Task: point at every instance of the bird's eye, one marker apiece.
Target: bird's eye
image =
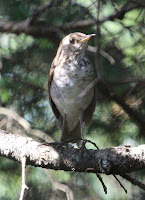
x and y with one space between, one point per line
72 40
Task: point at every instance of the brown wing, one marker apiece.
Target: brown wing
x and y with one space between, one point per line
52 104
88 113
54 64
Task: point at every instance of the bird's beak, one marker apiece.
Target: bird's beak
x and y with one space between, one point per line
87 38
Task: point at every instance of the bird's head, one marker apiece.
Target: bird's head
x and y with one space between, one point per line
75 42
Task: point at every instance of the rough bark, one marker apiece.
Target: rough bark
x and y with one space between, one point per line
115 160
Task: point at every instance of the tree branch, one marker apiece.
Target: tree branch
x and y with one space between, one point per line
115 160
59 186
33 30
44 30
35 12
133 114
24 186
117 15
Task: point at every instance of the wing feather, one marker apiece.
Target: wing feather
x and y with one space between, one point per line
88 112
52 104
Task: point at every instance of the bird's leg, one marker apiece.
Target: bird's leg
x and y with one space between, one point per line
63 127
82 125
82 131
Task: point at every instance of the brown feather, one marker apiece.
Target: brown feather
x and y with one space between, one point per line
74 135
88 112
51 74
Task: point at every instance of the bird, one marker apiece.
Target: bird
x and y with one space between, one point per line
70 74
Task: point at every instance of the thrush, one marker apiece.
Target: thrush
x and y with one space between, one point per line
70 74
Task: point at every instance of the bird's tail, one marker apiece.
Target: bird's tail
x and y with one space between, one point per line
73 135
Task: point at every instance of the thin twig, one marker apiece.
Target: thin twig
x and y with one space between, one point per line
92 84
25 124
120 183
85 11
103 53
3 122
133 181
24 186
98 40
59 186
85 91
35 12
102 182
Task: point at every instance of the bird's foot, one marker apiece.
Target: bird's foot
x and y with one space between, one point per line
83 147
53 143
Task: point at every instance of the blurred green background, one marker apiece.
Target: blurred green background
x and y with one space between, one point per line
25 60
